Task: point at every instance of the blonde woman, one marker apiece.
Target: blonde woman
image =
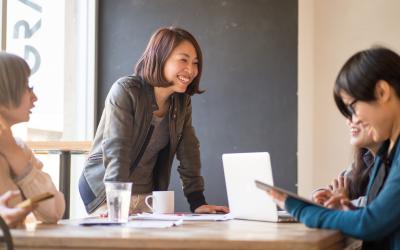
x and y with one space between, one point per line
19 169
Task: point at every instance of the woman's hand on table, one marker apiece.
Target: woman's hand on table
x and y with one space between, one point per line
211 209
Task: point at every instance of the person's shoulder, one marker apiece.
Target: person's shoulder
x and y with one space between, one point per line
22 145
129 82
125 86
28 151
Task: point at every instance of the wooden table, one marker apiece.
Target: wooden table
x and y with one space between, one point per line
65 149
227 235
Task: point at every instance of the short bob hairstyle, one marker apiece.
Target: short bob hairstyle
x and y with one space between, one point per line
150 66
14 74
360 74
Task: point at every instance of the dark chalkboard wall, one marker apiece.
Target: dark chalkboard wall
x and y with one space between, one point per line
250 76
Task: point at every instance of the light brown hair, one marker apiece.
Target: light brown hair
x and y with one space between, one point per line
14 74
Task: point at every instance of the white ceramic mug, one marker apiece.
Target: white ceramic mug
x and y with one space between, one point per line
162 202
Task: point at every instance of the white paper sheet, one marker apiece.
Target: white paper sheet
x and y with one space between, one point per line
131 224
184 217
153 223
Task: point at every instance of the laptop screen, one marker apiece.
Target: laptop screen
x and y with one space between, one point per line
246 201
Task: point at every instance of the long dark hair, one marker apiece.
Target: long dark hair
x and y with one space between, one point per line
360 74
360 171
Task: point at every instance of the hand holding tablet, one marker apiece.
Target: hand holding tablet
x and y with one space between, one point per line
267 187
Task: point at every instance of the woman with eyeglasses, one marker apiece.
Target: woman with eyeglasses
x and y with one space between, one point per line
368 90
20 170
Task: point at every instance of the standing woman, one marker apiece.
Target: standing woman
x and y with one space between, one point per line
146 121
19 169
368 90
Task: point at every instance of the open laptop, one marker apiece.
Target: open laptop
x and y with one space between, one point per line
246 201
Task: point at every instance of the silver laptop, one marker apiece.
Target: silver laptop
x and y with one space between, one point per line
246 201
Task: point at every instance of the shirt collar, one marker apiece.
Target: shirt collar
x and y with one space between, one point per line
368 158
387 157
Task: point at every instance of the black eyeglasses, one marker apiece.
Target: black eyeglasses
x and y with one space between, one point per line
350 107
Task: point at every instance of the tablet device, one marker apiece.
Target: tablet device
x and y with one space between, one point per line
35 199
267 187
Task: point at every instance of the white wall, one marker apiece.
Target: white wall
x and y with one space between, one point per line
329 33
306 96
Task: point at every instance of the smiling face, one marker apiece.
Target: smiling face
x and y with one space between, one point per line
375 117
181 67
20 113
359 136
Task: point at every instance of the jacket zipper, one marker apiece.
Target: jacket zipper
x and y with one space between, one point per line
172 126
144 146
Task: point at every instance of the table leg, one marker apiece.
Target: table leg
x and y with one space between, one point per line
65 176
6 237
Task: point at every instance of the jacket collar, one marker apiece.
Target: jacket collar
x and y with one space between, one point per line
149 91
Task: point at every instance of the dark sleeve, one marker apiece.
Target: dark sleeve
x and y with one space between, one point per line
188 154
117 137
373 222
196 199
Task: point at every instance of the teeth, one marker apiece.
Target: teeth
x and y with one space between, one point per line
183 79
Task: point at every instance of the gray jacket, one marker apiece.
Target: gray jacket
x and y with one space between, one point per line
122 137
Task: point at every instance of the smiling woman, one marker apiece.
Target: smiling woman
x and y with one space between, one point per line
147 120
181 67
372 77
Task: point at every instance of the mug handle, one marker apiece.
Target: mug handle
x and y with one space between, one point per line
147 201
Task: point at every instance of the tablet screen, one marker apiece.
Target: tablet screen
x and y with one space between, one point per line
266 187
